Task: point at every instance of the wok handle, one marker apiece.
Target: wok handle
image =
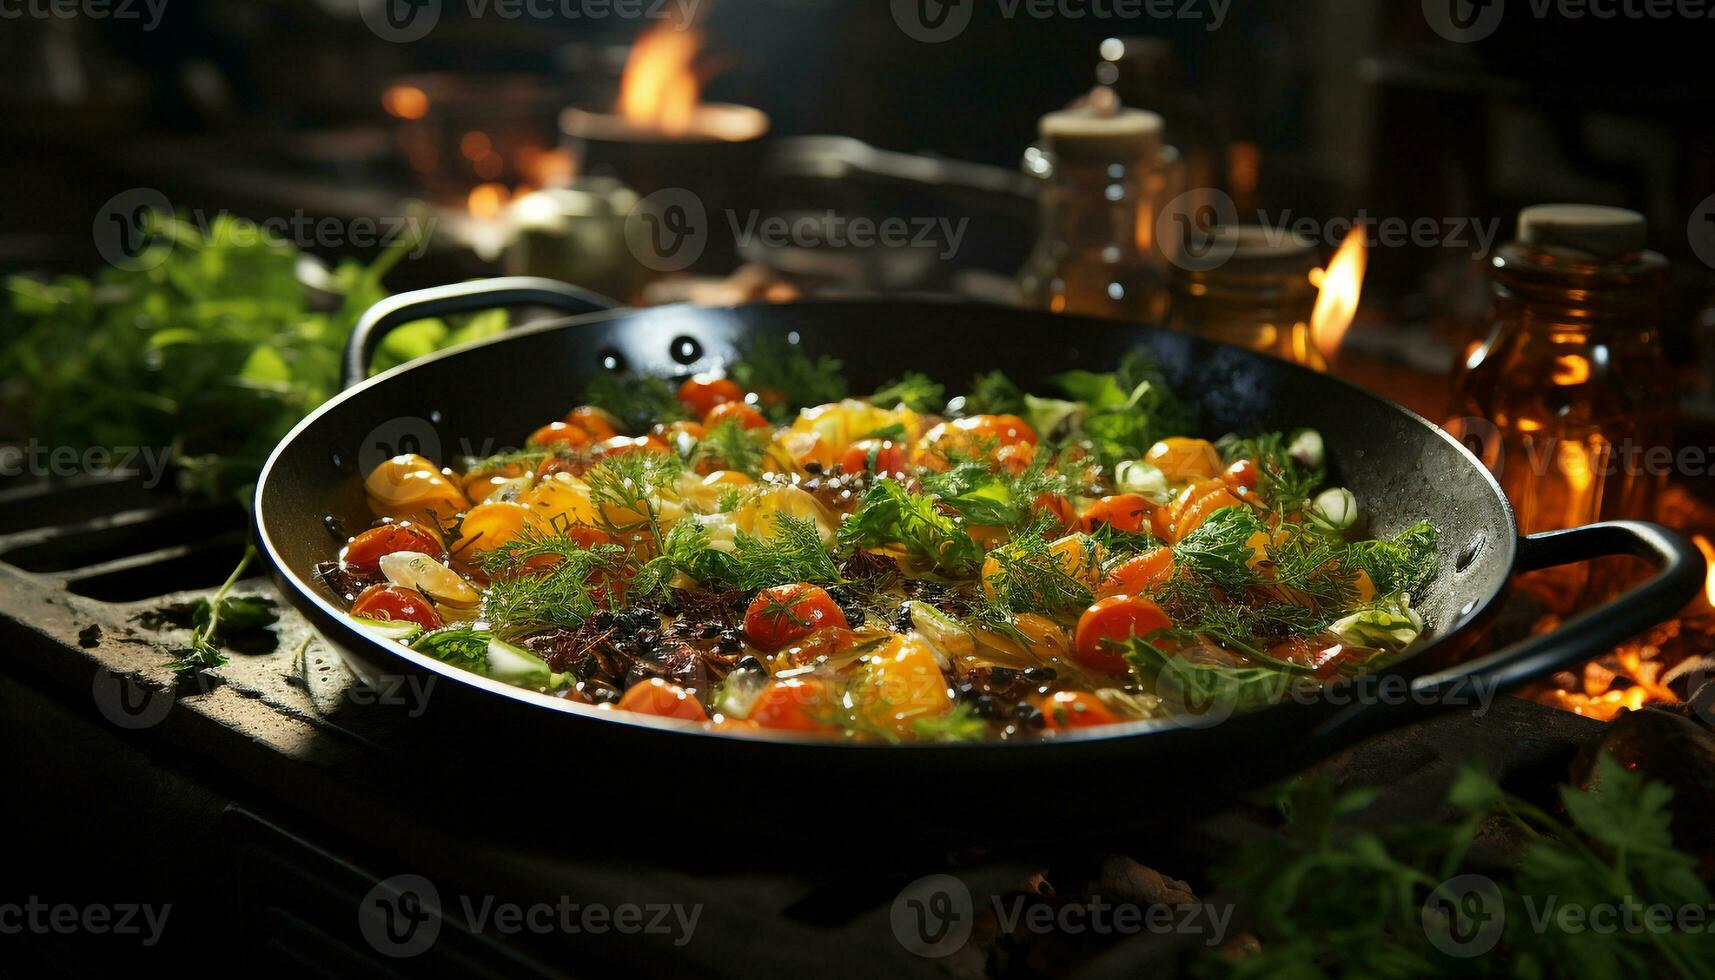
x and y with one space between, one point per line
464 297
1679 575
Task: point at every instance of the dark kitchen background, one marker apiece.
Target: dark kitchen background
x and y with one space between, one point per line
499 131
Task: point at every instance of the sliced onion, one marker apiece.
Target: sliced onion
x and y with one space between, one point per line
415 570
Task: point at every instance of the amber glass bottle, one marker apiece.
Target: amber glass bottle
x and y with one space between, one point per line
1570 400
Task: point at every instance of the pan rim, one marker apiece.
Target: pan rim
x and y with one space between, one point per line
307 597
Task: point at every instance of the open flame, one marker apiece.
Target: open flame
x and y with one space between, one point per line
1708 549
1342 285
660 88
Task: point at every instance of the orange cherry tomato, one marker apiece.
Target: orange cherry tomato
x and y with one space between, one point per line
559 434
702 392
662 699
363 555
619 445
874 456
1182 460
1197 503
1125 512
1138 575
1068 710
599 424
396 604
786 613
744 414
1242 473
1062 509
1016 458
993 432
1106 626
798 704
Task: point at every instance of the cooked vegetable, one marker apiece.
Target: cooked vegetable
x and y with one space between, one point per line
858 571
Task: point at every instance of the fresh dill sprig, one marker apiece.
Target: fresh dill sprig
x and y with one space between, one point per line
525 460
915 391
1220 549
994 394
627 486
793 553
1401 566
543 579
1283 482
1031 576
892 515
730 446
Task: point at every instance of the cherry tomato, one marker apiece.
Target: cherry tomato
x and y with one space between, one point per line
874 456
702 392
786 613
559 434
657 697
1106 626
396 604
1185 459
1126 512
1016 458
599 424
1138 575
490 525
1242 473
991 432
1068 710
1194 505
1321 654
363 555
618 445
799 704
1061 508
745 415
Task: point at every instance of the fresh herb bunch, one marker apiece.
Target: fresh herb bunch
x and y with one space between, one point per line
1127 411
542 578
793 553
787 378
731 446
638 401
1330 901
213 354
890 515
1286 482
994 394
915 391
624 490
215 619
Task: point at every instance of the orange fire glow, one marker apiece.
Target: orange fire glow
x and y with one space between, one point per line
660 89
1342 285
1708 549
486 201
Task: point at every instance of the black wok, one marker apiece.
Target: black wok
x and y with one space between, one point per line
1402 468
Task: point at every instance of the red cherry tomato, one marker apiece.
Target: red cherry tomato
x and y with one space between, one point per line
1241 474
800 704
745 415
363 555
1068 710
1126 512
657 697
396 604
786 613
1138 575
874 456
1103 630
702 392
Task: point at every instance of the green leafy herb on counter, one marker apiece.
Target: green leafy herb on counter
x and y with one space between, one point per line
217 618
212 354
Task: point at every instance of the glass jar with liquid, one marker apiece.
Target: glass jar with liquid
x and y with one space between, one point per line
1570 401
1260 297
1105 176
